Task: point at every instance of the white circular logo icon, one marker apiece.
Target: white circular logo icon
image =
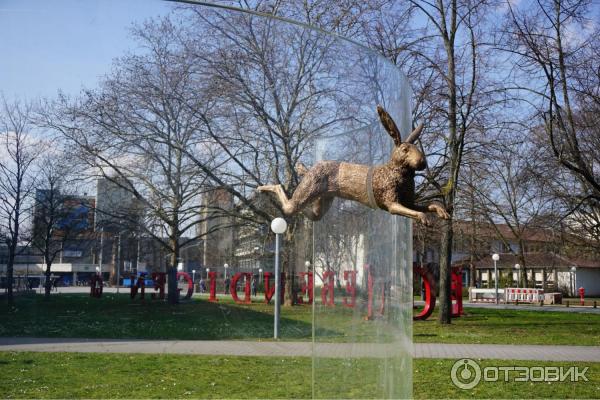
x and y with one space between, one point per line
465 374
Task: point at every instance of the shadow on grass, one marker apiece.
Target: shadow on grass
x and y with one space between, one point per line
118 317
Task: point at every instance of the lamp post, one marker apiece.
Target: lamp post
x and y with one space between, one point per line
573 269
518 268
496 257
119 262
260 275
99 267
193 277
256 253
225 266
278 226
207 271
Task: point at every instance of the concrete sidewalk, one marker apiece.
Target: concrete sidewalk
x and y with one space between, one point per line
526 307
303 349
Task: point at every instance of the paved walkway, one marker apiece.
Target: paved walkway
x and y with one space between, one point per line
572 309
338 350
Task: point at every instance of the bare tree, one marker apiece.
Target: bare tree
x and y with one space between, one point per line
54 221
469 209
509 192
336 246
18 152
270 101
447 61
555 44
131 132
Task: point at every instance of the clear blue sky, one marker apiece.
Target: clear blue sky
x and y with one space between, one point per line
50 44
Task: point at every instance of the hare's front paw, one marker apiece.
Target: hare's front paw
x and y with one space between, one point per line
424 219
439 210
442 213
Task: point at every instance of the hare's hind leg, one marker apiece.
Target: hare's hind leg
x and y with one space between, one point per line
312 186
288 206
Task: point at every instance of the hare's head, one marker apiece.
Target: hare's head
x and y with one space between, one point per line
405 153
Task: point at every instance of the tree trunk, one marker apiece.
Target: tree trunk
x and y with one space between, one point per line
47 284
524 280
9 278
115 261
172 295
455 149
293 239
445 316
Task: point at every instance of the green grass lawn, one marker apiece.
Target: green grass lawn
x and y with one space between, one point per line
482 325
116 316
112 316
76 375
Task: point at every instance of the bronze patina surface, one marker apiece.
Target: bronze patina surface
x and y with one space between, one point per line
390 186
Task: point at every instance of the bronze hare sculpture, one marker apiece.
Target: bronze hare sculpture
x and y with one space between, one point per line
390 186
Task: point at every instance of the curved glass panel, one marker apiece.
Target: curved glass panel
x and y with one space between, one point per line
363 257
161 120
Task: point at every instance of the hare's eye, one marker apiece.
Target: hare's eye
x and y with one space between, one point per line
404 149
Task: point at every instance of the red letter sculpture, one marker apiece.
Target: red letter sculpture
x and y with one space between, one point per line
140 284
233 288
190 282
327 290
96 285
306 287
159 278
456 292
212 277
270 291
429 296
370 290
350 288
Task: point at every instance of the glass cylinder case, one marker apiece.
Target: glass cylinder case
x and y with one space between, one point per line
172 114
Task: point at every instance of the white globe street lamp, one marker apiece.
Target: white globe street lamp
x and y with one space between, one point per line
225 266
193 276
278 226
207 271
518 268
496 257
574 284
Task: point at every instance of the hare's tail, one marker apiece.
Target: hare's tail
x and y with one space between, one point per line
301 169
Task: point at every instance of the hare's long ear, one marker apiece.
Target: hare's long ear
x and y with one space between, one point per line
389 125
414 135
